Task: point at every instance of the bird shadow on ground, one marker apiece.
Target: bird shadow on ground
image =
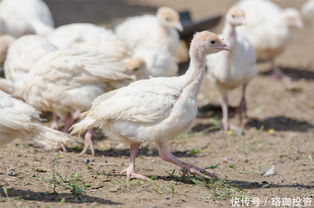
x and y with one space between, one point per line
228 182
1 73
144 151
29 195
211 118
294 73
212 110
280 123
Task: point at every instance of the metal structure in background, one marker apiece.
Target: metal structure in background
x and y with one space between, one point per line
100 11
190 26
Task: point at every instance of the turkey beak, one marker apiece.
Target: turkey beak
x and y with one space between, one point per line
299 24
242 21
178 26
223 46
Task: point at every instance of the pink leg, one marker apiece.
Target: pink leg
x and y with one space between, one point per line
130 171
278 73
88 142
54 124
224 107
68 123
169 157
242 108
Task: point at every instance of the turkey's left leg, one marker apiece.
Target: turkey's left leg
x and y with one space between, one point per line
54 123
278 73
130 171
242 108
68 123
166 155
88 142
224 108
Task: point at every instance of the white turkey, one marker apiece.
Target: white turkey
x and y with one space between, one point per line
269 29
230 70
158 30
67 81
155 109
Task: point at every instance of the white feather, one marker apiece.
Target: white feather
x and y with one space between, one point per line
146 31
64 81
89 37
267 27
25 17
308 10
158 62
20 120
22 54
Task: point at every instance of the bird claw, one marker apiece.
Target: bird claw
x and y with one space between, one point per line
131 174
280 75
200 171
88 143
86 146
54 126
61 147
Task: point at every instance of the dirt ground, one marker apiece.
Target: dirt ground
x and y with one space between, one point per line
279 132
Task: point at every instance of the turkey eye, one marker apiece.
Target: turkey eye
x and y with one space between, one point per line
233 16
212 42
167 19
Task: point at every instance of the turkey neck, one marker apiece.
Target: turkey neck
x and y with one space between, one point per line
230 34
195 73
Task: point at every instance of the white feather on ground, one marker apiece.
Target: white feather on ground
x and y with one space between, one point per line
271 171
19 18
21 121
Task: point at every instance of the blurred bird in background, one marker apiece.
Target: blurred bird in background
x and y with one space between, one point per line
269 29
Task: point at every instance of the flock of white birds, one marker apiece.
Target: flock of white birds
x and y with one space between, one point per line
125 81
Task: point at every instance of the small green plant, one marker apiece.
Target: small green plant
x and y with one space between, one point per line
215 124
94 172
211 167
5 195
221 189
164 190
73 183
231 165
195 151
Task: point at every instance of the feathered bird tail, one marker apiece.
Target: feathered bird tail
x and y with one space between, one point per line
82 126
50 138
